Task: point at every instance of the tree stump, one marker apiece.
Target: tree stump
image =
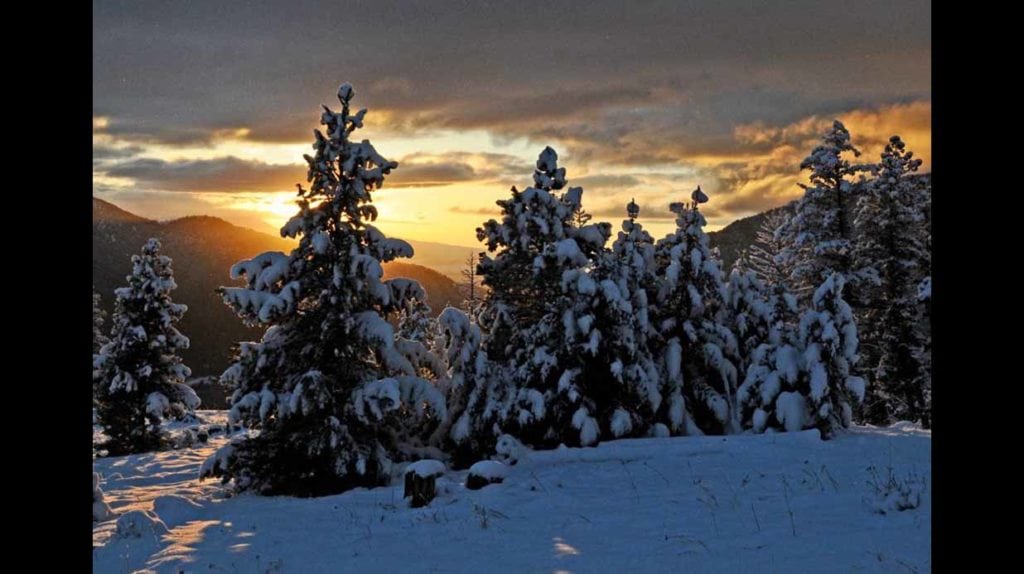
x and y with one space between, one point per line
421 481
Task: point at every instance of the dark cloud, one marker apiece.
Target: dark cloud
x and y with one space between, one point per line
604 181
737 93
429 170
430 175
587 71
227 174
102 152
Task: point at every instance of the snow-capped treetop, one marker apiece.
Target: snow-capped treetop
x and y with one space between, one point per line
896 161
549 176
632 209
827 165
820 234
699 196
346 92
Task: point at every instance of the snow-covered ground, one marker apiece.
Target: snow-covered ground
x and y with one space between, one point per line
768 503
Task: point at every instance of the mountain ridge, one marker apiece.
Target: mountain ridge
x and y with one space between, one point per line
203 248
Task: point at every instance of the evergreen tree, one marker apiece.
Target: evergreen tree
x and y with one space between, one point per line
138 374
891 250
749 314
819 237
828 389
628 282
531 220
415 321
98 315
551 342
699 378
334 394
804 379
473 400
774 368
764 317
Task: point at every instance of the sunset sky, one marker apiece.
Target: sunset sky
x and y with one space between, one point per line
207 107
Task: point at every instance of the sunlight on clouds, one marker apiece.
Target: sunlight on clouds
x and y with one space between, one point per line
273 209
447 205
766 173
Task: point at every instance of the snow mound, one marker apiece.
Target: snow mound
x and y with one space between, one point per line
140 524
426 468
486 472
489 469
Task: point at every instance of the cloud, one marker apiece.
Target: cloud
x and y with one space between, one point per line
489 211
103 152
701 66
430 174
675 94
436 169
605 181
763 172
228 174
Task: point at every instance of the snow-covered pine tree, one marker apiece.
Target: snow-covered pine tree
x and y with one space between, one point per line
764 317
415 321
769 361
819 237
138 375
828 389
747 310
891 249
541 289
98 315
632 395
335 396
698 376
472 399
530 220
417 328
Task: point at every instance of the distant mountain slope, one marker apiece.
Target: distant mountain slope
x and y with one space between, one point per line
732 239
449 260
203 249
441 290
